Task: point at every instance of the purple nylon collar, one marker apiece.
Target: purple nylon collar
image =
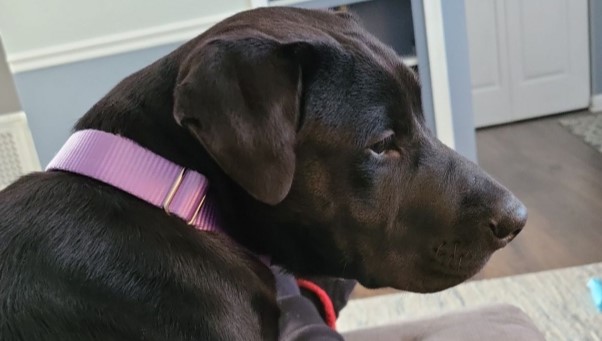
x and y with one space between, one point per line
122 163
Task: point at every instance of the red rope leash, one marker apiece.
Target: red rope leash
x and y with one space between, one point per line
330 316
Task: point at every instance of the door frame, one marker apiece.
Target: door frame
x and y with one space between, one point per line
445 72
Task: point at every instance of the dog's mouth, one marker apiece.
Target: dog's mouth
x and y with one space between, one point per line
457 257
450 263
442 265
439 274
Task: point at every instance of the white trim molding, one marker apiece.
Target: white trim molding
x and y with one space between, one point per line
595 104
259 3
177 32
134 40
437 56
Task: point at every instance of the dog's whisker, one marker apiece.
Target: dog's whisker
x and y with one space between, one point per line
345 264
460 262
439 249
455 248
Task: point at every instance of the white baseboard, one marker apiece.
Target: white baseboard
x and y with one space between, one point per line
595 105
112 44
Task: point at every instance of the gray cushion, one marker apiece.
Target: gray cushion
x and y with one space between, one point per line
490 322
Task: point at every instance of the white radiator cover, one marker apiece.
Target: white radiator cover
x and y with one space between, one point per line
17 151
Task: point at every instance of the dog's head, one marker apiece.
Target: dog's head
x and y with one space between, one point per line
321 125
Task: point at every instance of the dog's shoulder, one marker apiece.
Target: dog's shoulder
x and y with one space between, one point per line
82 258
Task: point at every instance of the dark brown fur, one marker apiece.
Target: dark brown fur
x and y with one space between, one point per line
285 111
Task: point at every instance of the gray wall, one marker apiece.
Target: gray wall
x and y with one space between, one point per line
54 98
8 96
595 17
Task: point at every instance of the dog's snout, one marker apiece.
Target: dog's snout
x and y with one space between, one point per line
510 221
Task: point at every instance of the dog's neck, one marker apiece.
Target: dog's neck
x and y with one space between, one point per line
143 118
140 109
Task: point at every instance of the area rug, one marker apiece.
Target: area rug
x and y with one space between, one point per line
588 127
557 301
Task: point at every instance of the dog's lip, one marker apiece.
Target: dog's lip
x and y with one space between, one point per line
436 280
436 274
465 262
460 272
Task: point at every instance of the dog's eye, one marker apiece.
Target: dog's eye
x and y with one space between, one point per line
383 146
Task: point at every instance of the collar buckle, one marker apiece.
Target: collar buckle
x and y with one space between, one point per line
172 193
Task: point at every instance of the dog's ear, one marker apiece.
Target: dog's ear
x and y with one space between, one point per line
241 99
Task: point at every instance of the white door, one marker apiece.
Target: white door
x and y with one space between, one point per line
528 58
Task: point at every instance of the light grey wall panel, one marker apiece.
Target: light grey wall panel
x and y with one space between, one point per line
456 44
54 98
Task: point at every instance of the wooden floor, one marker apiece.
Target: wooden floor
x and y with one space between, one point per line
559 178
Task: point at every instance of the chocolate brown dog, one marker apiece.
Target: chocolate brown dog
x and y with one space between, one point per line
311 133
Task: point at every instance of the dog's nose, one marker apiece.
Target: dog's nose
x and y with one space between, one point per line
510 222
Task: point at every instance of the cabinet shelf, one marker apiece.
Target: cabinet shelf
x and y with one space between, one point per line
410 60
